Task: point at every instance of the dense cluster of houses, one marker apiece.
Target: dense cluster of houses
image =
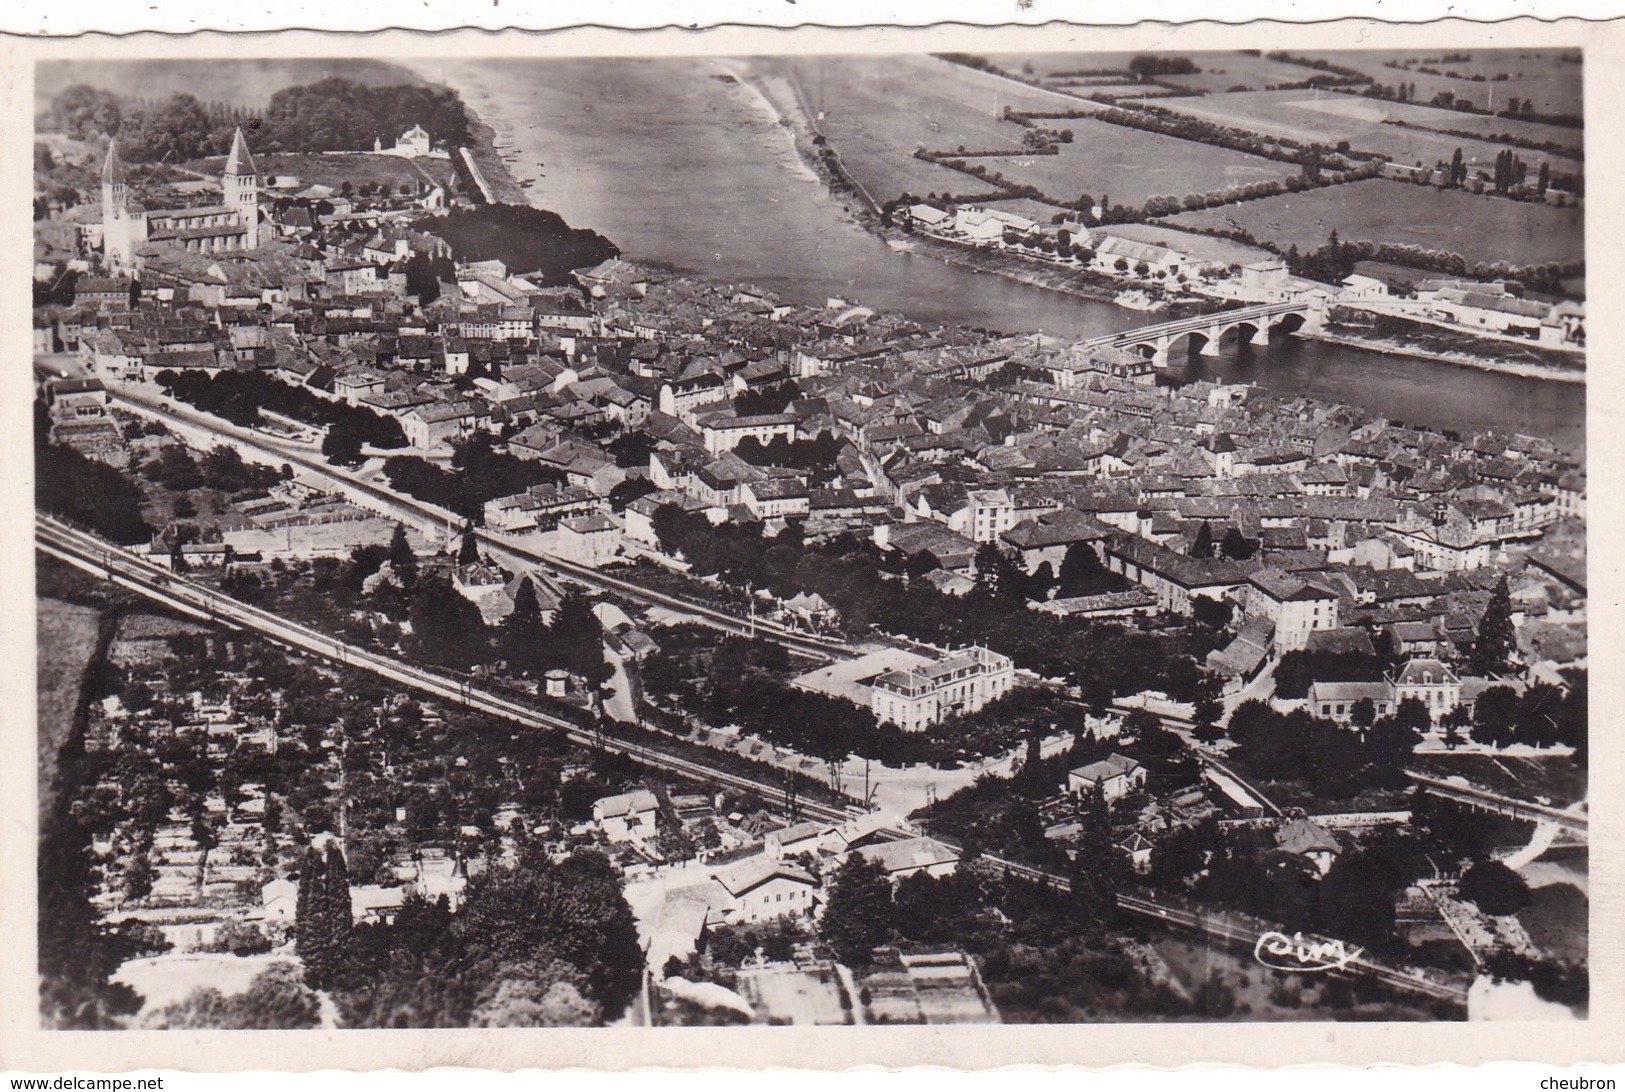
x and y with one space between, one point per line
933 441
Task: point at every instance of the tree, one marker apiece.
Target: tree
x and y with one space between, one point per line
574 911
335 904
1363 714
1081 572
82 111
1100 869
536 995
1540 710
468 551
1356 902
1494 888
1412 715
576 639
342 444
1495 716
1202 544
997 573
1236 546
1497 637
859 914
447 630
275 1000
1391 741
314 940
1208 709
240 938
523 635
403 561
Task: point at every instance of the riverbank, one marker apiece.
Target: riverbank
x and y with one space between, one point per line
1399 336
504 187
1462 360
791 111
1082 283
783 101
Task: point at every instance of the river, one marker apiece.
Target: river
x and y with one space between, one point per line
683 167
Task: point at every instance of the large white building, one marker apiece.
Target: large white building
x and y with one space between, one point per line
1296 605
917 697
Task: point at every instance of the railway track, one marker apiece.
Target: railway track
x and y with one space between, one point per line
159 584
1510 806
87 552
1229 930
420 512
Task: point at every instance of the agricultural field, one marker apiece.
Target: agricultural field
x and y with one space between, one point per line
878 110
335 170
1431 117
1554 85
888 176
1130 165
1329 117
1036 211
1221 69
1224 71
1478 228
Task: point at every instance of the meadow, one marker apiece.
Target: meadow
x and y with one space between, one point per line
1330 117
1540 76
1129 165
1431 117
1205 248
1221 69
1478 228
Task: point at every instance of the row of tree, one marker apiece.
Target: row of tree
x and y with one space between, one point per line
240 396
334 114
323 914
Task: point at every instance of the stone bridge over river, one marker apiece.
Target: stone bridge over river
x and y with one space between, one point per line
1253 323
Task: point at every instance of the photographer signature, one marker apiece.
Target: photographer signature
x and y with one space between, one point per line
1294 954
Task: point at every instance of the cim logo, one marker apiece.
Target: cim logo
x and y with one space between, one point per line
1295 955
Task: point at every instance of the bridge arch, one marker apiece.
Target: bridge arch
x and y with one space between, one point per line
1204 333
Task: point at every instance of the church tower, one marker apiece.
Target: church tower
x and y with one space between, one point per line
241 186
117 245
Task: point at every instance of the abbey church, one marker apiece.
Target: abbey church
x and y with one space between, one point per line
232 225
